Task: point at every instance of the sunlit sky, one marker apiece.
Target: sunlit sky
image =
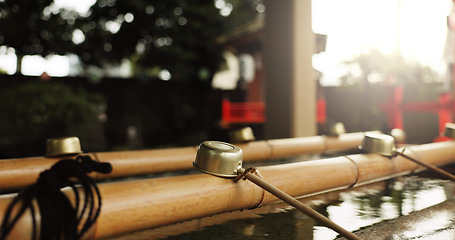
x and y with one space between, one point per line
415 28
79 5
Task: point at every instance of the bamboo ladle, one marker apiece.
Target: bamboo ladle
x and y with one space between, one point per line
385 145
225 160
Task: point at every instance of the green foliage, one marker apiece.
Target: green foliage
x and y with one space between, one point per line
39 110
176 35
243 12
31 28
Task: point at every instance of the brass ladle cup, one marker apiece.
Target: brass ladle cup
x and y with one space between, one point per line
449 130
63 146
385 145
225 160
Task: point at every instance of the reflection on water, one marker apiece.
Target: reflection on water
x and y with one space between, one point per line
399 197
353 210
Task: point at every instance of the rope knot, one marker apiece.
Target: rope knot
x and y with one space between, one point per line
60 218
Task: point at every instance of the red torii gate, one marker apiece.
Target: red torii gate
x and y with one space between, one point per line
395 107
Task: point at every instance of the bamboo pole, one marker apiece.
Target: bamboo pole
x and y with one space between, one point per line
16 173
136 205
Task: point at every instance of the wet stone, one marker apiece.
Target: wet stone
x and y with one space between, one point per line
435 222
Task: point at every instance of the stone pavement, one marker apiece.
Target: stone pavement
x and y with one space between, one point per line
434 223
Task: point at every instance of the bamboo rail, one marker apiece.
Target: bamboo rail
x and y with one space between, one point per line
20 172
136 205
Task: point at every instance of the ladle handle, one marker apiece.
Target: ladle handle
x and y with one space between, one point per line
430 167
300 206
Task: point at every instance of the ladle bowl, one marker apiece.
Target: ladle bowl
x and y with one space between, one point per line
63 146
337 129
219 158
398 134
378 143
449 130
242 135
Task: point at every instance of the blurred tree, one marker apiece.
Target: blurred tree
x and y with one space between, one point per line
35 28
377 67
173 35
176 36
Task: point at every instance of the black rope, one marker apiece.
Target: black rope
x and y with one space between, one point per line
59 219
